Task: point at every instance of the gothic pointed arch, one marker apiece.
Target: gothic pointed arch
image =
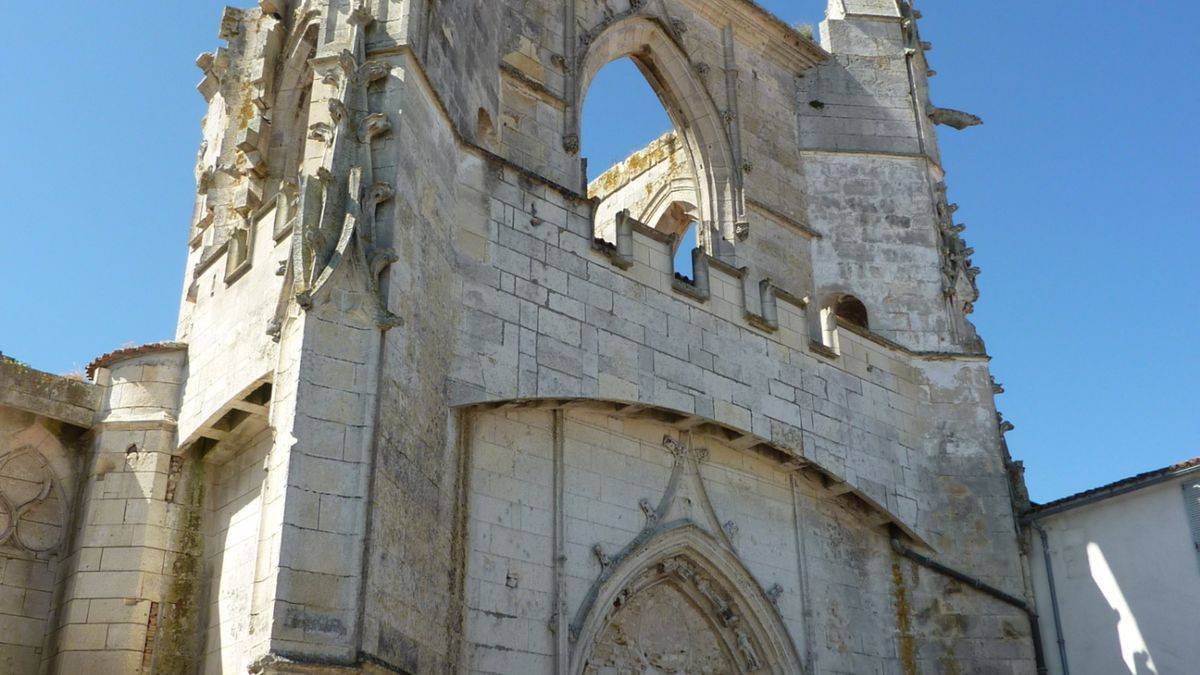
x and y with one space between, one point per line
293 99
671 205
681 602
692 110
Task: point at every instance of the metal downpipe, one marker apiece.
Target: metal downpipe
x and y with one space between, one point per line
1039 655
1058 631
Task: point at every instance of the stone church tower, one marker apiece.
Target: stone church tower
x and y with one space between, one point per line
436 405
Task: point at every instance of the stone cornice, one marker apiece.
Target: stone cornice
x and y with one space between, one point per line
895 346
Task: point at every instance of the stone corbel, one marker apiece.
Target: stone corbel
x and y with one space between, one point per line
361 15
321 131
246 196
253 160
570 143
1004 425
372 71
338 112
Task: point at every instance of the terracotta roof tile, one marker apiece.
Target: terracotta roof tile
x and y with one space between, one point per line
108 359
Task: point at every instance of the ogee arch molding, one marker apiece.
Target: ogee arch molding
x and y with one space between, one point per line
706 580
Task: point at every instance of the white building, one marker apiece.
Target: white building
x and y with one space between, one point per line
1116 573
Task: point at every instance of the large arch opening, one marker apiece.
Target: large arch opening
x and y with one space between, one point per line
636 83
636 162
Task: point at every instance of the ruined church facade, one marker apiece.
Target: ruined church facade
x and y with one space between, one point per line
436 404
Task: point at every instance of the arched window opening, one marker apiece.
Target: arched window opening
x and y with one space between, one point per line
621 115
684 267
851 310
637 161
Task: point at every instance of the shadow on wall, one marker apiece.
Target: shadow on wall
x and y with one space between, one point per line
231 557
1134 651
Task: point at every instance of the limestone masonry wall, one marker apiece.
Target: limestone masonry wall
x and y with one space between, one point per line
435 409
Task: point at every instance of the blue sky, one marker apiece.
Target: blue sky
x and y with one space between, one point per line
1081 194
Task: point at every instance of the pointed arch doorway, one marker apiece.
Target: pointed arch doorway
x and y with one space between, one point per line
681 603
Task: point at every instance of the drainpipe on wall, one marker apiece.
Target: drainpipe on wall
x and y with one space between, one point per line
1039 655
1058 631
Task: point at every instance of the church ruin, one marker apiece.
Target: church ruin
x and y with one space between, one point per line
438 405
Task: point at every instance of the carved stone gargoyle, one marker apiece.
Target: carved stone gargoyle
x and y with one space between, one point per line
956 119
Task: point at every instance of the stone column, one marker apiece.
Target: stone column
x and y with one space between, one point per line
122 564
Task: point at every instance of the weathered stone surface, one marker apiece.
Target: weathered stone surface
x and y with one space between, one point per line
438 411
73 401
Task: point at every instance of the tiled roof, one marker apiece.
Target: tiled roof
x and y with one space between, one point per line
1122 486
128 352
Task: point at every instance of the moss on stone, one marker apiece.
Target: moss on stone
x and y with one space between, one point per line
908 644
175 651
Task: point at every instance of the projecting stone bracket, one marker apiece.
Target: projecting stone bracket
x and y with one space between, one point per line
955 119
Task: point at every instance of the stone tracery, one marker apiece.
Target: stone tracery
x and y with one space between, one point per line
32 506
677 598
637 639
682 613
